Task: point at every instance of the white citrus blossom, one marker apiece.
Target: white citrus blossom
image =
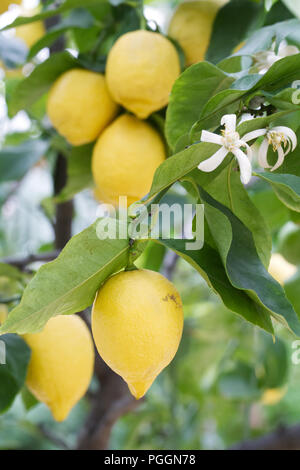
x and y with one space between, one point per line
283 140
265 59
230 142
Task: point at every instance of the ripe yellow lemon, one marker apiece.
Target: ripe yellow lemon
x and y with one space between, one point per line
141 69
191 26
80 106
137 323
61 364
125 158
280 269
31 33
3 313
4 4
273 396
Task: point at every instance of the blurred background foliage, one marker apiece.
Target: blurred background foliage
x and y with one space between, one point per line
216 392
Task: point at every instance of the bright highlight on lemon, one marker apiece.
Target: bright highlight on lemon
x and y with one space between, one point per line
191 26
141 69
80 106
137 323
61 364
125 158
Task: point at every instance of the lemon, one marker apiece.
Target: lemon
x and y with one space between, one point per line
32 32
61 364
141 69
280 269
3 313
191 26
125 158
4 4
80 106
273 396
137 323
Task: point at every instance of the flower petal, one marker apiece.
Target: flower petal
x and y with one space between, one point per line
263 154
211 138
254 135
229 121
214 161
288 133
280 159
244 164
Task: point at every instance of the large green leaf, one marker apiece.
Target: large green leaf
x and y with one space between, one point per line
190 93
13 372
286 187
242 263
228 189
16 161
232 25
68 284
29 90
208 263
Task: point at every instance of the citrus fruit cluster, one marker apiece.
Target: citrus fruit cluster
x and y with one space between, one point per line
84 105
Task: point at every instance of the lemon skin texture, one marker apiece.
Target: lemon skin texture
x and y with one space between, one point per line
80 106
141 69
4 4
61 364
137 323
125 158
191 26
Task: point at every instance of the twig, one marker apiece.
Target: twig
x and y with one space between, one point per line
23 262
169 265
59 442
282 439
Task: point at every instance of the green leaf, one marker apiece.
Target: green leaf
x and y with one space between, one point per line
29 401
208 263
239 383
180 164
243 266
282 73
227 189
51 10
29 90
16 161
274 361
79 172
232 25
79 19
190 93
286 187
293 6
68 285
264 37
292 288
13 373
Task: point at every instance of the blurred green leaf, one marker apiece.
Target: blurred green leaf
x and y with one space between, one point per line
16 161
13 372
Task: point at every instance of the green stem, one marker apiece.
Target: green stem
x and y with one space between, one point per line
229 185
